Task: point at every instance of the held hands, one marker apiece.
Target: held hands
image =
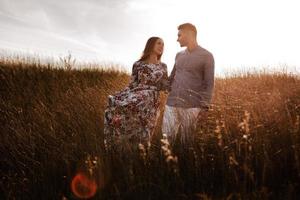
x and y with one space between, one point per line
166 85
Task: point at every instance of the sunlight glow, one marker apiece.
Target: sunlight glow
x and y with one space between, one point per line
240 34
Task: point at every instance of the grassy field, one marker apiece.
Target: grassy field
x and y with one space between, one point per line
52 146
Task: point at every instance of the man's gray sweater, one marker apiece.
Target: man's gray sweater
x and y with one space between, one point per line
192 79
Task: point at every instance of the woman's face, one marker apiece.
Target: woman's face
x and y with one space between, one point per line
158 47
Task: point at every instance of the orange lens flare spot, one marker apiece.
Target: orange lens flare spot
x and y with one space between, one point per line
83 186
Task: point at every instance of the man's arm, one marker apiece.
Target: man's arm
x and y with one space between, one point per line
208 76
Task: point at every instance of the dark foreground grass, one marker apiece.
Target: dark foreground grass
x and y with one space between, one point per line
247 147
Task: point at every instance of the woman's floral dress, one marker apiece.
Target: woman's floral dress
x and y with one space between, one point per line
134 110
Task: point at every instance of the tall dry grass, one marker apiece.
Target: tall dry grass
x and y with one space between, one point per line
247 147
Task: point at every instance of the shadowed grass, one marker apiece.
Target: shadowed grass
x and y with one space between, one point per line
52 127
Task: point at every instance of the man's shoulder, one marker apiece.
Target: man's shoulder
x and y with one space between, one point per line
205 52
180 53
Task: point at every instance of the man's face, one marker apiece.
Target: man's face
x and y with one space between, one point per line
182 37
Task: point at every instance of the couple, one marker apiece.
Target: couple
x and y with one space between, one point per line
134 111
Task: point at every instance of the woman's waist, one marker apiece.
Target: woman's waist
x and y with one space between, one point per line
143 87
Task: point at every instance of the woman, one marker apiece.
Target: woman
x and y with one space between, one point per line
134 111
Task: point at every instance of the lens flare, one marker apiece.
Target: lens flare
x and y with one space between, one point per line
83 186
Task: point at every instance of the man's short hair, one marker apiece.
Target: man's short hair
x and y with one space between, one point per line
188 26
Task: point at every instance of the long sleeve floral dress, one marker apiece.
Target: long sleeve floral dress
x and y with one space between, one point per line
134 110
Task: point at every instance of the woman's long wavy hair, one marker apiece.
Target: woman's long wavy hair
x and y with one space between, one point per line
149 48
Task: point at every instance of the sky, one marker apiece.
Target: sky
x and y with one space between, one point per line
241 34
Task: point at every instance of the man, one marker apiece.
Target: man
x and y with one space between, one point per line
192 82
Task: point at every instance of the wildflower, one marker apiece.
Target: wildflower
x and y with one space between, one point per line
142 151
244 125
91 164
167 151
219 134
233 161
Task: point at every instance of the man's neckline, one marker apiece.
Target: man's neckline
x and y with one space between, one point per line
197 47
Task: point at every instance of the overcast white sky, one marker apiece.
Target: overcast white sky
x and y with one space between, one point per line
239 33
